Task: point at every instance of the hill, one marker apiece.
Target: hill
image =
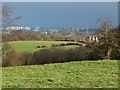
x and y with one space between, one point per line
84 74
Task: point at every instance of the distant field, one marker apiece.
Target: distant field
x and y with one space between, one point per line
82 74
31 46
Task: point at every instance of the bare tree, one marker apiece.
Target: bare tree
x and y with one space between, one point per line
7 16
107 40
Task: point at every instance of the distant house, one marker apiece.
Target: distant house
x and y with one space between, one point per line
92 39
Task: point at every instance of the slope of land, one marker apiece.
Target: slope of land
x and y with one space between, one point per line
81 74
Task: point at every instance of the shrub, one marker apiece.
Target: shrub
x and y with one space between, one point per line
43 46
62 44
72 44
7 54
83 53
115 54
45 56
11 58
55 45
41 57
78 54
38 47
20 59
65 44
95 54
57 55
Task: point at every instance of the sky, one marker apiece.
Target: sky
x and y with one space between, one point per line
59 14
60 0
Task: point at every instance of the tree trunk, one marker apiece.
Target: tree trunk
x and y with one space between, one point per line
108 56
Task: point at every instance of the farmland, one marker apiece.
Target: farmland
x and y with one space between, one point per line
78 74
31 46
84 74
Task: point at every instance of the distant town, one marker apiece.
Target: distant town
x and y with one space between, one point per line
65 29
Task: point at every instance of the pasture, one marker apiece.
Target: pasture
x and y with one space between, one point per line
31 46
81 74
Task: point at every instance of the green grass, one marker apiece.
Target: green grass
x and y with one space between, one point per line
30 46
81 74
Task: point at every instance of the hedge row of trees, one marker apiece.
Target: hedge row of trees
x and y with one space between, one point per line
44 56
55 55
21 35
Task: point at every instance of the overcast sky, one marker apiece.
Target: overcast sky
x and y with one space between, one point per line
59 14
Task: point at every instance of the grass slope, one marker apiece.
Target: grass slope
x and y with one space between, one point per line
30 46
84 74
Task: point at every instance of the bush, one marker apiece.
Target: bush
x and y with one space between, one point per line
62 44
45 56
56 55
11 58
41 56
20 59
7 54
65 44
100 51
55 45
78 54
83 53
115 54
72 44
95 54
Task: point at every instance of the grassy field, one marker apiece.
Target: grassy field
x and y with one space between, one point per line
84 74
31 46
